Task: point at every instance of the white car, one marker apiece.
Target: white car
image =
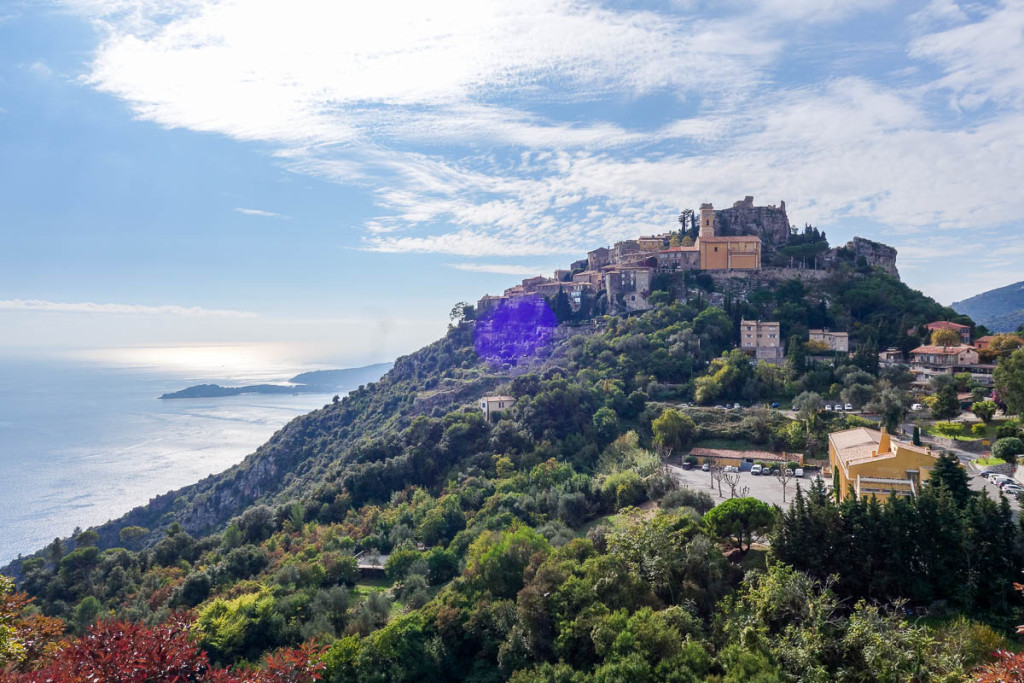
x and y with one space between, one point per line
798 472
755 470
828 407
730 468
999 479
849 406
917 407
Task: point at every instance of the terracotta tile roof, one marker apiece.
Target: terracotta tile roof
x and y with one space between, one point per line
671 249
740 455
943 350
946 325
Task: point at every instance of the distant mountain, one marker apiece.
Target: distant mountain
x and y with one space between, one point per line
315 382
1000 310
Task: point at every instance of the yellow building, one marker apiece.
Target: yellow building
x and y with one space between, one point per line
740 252
873 463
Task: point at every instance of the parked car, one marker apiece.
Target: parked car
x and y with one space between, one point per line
776 405
687 465
756 470
1013 490
705 467
736 406
917 407
730 468
849 406
986 473
773 471
828 407
997 478
798 472
720 408
1009 482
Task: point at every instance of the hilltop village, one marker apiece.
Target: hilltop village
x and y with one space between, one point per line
744 241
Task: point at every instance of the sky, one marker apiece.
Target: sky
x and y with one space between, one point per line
330 177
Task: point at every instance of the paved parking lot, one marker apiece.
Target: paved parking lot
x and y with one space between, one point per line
766 488
982 484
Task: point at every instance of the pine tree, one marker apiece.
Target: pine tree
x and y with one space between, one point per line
947 405
949 475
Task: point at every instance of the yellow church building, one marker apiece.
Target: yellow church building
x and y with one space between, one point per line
872 463
741 252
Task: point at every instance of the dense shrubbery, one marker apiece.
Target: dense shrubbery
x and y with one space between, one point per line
526 548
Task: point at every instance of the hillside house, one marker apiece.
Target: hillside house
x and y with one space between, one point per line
870 462
928 361
835 341
963 330
492 405
763 339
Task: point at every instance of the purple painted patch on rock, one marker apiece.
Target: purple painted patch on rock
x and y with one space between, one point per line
517 328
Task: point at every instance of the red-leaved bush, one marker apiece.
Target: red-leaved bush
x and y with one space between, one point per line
1008 667
124 652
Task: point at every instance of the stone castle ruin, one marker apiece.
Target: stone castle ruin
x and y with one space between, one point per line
753 243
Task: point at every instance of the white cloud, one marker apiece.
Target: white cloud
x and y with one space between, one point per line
481 128
316 72
499 268
983 60
40 70
260 212
36 305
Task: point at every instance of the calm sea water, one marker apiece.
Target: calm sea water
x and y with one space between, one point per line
83 442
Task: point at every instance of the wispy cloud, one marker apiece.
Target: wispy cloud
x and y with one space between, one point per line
483 128
260 212
36 305
499 268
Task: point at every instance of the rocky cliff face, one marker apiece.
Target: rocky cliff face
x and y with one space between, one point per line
770 223
875 254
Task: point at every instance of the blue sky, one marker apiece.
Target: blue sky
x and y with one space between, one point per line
330 177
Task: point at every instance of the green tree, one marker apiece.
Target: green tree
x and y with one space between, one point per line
807 405
946 338
947 405
1008 449
606 425
11 649
891 403
130 535
742 520
673 430
496 560
984 410
1009 380
86 539
86 612
857 395
796 357
948 474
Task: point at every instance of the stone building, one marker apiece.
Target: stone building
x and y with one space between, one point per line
628 288
763 339
835 341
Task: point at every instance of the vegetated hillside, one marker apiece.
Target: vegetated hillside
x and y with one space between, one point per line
515 550
349 452
1000 310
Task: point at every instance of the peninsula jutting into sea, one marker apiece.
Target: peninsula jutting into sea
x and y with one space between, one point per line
315 382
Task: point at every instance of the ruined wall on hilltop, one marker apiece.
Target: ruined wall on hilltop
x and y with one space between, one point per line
770 223
875 254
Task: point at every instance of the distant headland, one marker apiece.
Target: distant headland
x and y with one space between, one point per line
315 382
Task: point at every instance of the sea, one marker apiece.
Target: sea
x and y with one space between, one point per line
85 439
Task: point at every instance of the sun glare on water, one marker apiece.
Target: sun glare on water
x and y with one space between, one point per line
223 360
